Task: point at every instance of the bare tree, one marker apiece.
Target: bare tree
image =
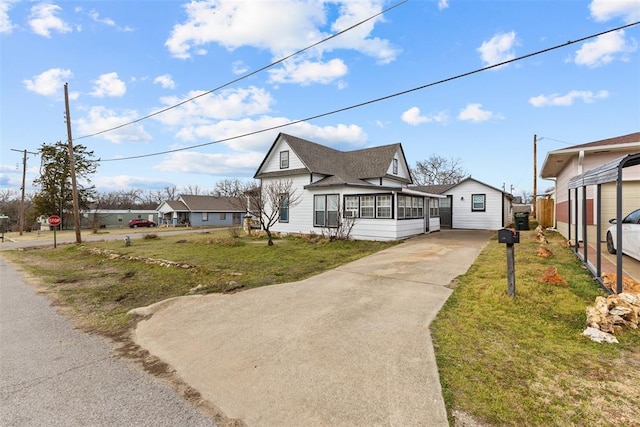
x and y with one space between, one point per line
342 230
232 187
270 202
193 190
438 170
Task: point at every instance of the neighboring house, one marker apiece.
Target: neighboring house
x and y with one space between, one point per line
368 185
564 164
201 211
471 204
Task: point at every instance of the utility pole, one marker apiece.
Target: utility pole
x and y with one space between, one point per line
24 175
535 174
72 168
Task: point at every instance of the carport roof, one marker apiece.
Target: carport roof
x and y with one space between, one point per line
607 172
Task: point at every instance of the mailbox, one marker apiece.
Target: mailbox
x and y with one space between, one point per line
508 236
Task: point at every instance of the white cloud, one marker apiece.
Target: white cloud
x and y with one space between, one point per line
100 118
239 67
475 113
106 21
586 96
233 164
226 104
6 26
165 81
498 49
233 24
443 4
604 49
412 116
604 10
50 82
109 85
249 151
306 72
95 16
43 20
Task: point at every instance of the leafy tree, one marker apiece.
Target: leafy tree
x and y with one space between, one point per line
270 201
437 170
55 195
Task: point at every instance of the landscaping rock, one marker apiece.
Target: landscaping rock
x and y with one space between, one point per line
552 277
599 336
613 313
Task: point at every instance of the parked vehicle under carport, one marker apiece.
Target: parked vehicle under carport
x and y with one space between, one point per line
630 235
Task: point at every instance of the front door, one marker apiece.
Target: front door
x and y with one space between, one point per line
446 212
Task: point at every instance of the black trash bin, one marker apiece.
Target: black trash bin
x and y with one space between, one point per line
522 220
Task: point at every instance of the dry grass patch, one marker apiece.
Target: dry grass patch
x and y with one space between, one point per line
100 282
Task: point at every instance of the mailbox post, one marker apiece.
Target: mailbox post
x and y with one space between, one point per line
510 237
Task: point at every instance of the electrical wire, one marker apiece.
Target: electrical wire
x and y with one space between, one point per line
383 98
164 110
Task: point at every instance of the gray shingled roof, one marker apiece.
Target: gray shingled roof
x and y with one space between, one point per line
342 167
434 189
196 203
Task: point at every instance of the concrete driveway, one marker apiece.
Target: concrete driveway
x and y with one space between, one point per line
350 346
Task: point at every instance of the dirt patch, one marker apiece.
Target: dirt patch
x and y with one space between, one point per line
156 367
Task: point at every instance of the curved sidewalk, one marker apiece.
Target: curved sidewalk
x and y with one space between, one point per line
350 346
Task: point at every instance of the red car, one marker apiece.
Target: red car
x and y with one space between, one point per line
140 222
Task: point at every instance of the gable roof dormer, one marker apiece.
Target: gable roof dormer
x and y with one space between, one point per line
338 167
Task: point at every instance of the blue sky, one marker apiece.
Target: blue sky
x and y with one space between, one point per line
124 60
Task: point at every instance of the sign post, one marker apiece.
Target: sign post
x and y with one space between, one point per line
54 220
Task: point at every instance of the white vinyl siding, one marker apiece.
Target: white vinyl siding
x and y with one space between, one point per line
463 215
272 163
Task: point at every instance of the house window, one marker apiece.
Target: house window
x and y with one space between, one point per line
434 208
284 159
205 216
325 208
395 166
223 216
351 206
284 207
478 202
367 205
410 207
383 207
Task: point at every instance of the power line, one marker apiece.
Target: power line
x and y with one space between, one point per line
245 75
362 104
555 140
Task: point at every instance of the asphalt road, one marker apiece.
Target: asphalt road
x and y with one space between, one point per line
54 375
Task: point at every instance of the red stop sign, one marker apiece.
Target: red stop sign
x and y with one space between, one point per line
54 220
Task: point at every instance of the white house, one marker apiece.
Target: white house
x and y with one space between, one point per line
368 185
471 204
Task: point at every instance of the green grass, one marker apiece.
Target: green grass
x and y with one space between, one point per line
523 361
100 291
